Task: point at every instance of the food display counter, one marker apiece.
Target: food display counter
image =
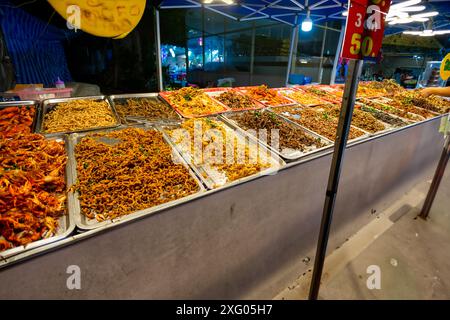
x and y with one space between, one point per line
246 237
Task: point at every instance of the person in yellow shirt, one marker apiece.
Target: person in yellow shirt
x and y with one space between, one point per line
438 91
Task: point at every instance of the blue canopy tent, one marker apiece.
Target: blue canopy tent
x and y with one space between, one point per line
36 48
286 11
293 12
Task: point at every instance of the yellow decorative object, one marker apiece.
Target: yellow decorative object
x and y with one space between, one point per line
103 18
445 67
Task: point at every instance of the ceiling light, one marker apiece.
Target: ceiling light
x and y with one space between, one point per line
207 1
427 33
345 13
425 14
405 4
307 23
413 9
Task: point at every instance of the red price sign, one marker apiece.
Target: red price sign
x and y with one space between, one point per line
365 28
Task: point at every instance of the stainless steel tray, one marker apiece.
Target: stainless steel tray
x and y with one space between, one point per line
291 102
116 99
288 154
363 137
415 117
85 223
286 91
50 104
386 101
392 126
66 223
26 103
214 179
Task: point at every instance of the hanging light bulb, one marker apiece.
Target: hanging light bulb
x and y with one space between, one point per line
307 23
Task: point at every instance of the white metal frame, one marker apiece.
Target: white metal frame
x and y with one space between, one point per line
299 7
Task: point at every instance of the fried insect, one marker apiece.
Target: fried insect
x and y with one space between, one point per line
383 116
32 189
16 120
268 96
415 99
226 162
407 101
290 136
382 106
150 109
360 119
318 121
78 115
134 173
236 100
305 98
194 102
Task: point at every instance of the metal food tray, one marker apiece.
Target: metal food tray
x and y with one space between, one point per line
213 93
50 104
393 127
366 133
330 97
363 137
165 95
284 91
288 154
418 118
25 103
129 119
386 101
244 90
85 223
208 177
66 224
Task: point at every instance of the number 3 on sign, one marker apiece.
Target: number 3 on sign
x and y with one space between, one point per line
356 46
358 20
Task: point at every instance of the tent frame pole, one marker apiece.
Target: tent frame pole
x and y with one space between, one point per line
338 54
159 74
292 49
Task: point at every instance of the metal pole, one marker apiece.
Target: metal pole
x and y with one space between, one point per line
252 53
158 52
445 156
338 51
345 119
292 49
203 37
321 53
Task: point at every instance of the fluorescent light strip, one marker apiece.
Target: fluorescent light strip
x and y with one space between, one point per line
405 4
425 14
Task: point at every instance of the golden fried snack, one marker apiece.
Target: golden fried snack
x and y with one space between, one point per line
306 99
227 167
193 102
16 120
290 136
267 96
78 115
236 101
32 189
133 174
360 119
318 121
150 109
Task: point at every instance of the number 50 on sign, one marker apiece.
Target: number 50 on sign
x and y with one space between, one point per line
364 29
